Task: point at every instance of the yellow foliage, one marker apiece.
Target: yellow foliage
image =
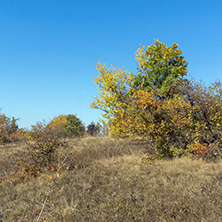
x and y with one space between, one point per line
185 124
57 122
112 84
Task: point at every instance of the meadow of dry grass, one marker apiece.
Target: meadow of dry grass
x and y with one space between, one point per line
104 179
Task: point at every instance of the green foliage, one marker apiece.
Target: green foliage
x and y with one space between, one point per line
67 126
159 65
14 126
74 126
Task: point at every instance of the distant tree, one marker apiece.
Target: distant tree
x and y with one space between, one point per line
93 129
5 127
14 126
74 126
67 125
8 129
57 125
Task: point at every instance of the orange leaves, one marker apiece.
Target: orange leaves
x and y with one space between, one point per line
133 119
157 103
177 123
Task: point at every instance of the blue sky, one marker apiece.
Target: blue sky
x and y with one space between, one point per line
49 48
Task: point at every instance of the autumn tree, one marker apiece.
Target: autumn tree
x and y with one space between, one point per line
113 85
5 127
159 65
187 124
67 125
179 116
42 153
9 131
57 124
14 126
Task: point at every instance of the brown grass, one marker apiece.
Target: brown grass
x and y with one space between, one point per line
104 179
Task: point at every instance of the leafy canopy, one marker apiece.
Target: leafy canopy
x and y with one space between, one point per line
67 125
159 65
113 85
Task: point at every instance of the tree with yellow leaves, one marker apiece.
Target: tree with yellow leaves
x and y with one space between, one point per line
159 66
113 85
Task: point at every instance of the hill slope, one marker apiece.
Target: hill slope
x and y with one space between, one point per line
104 179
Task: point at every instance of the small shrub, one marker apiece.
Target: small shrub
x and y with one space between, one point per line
42 152
93 129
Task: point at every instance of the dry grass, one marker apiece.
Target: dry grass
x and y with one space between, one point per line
9 155
104 180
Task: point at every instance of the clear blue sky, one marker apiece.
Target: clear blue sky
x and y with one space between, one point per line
49 48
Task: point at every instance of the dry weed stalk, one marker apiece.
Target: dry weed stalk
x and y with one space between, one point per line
50 186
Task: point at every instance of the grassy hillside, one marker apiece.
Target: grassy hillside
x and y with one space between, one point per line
104 179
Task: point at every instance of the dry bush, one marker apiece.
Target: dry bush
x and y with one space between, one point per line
93 129
41 152
9 132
